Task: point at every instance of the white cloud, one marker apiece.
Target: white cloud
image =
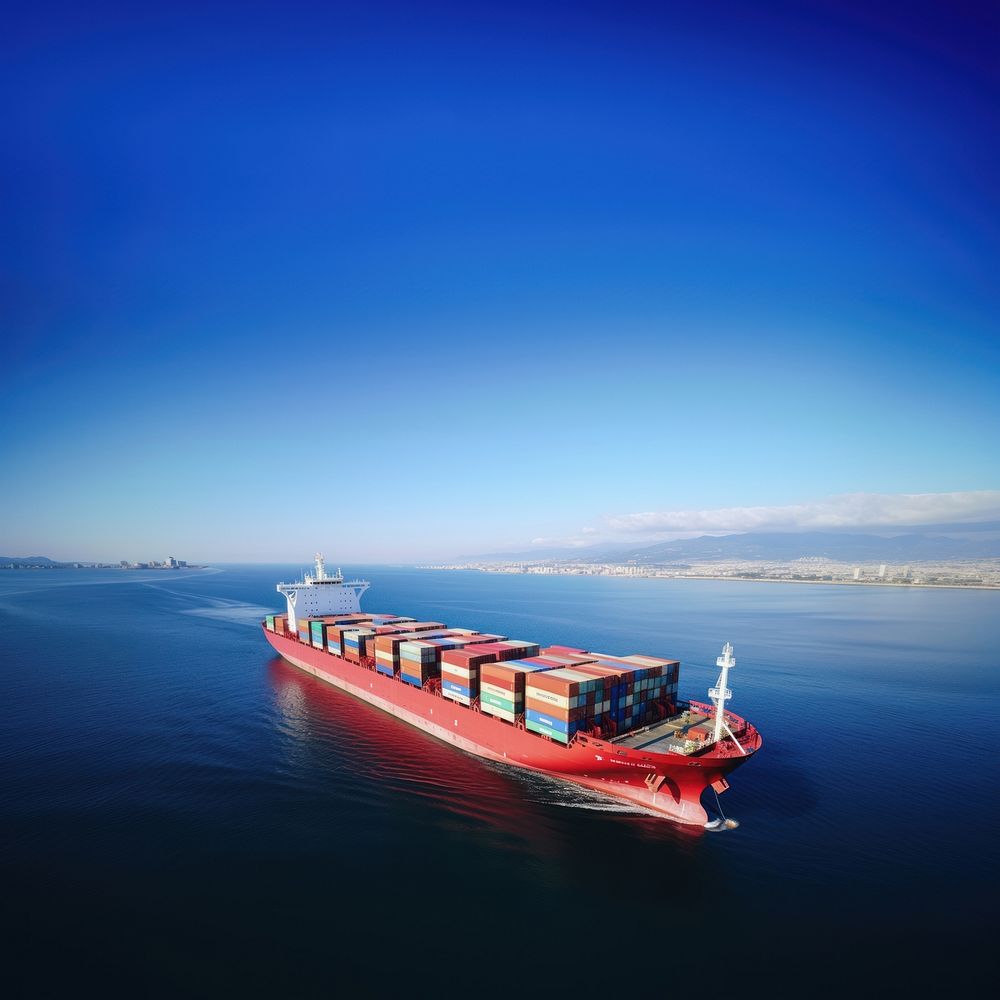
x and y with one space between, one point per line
849 510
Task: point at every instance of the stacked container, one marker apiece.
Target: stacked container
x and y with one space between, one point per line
387 658
617 679
317 632
357 641
276 623
420 659
425 626
501 687
387 653
560 703
460 670
671 668
564 660
517 649
648 690
366 645
317 628
664 675
560 690
335 633
352 642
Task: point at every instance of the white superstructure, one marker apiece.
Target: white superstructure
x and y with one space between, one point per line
322 594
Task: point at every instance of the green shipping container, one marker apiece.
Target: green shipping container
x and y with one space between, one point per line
491 699
554 734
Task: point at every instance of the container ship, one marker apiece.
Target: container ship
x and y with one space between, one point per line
611 723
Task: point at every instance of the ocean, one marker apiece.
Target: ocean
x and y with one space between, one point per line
184 813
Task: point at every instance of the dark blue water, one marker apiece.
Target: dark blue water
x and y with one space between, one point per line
183 812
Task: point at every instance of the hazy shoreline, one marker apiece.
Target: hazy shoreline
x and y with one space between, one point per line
898 584
835 583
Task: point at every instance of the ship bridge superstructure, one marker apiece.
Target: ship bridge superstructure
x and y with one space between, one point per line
321 593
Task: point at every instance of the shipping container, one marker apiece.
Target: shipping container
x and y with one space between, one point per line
521 649
465 663
417 673
562 702
455 690
501 686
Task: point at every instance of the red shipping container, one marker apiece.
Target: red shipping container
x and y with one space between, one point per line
478 652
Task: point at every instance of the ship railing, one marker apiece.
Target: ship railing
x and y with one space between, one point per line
734 722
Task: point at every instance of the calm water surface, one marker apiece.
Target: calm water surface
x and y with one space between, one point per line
185 813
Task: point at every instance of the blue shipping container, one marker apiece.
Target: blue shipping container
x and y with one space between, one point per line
546 720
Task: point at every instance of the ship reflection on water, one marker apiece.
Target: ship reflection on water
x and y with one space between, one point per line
377 762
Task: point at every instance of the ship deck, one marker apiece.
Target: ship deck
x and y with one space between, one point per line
666 736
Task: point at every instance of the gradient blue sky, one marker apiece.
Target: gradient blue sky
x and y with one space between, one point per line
413 281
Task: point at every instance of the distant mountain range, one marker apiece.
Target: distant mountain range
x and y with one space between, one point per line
960 542
824 544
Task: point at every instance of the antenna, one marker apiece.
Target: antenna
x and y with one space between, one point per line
720 694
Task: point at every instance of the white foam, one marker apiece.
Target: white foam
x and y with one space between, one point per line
231 611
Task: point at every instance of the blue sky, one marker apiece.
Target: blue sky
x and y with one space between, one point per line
409 282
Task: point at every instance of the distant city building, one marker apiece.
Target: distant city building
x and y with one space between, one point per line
857 572
881 572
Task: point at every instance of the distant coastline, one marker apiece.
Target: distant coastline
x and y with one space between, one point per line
981 575
43 562
848 583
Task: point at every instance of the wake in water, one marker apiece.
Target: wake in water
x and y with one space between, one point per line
220 608
242 614
550 791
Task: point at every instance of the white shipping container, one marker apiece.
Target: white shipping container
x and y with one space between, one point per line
559 700
500 713
499 692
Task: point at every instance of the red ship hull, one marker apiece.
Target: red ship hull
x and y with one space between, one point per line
667 783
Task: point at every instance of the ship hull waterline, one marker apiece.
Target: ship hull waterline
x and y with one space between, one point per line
596 764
